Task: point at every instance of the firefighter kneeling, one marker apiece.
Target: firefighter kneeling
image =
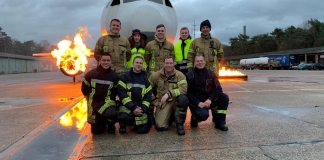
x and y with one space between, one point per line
205 92
171 87
99 88
135 93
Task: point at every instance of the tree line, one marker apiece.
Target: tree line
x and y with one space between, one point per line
14 46
310 34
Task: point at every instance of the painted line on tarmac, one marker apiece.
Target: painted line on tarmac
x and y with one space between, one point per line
19 144
243 88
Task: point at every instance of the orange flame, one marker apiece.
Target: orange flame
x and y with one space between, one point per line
77 115
229 72
72 58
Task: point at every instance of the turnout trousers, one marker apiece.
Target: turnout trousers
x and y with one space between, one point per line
218 108
178 107
109 117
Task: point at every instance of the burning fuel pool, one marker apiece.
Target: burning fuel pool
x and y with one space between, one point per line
59 139
231 74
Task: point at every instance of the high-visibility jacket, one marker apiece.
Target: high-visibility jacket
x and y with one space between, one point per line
210 47
156 52
98 87
119 49
134 90
181 54
137 52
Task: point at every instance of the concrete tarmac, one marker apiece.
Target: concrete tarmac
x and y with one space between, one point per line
273 115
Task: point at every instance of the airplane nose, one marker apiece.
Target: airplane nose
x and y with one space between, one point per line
142 13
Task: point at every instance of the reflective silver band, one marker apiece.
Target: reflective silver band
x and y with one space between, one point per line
135 85
101 81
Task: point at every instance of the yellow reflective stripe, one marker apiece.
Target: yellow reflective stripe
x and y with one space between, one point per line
215 63
105 48
182 82
147 104
153 62
141 120
107 104
124 109
176 92
220 51
126 100
121 83
129 94
189 65
86 82
222 111
148 89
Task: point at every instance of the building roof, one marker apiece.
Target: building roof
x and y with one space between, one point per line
17 56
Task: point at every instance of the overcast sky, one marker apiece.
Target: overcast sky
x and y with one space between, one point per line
52 20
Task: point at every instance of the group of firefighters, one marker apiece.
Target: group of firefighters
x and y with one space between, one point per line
141 85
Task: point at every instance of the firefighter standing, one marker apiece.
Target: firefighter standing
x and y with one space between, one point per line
157 50
135 93
204 93
99 89
181 50
117 45
137 44
210 47
170 100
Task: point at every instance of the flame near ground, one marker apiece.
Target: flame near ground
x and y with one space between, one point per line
77 116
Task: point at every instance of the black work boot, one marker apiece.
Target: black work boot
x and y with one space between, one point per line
172 119
122 128
180 129
111 128
193 122
221 127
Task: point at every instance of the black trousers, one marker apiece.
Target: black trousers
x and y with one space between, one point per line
218 107
109 117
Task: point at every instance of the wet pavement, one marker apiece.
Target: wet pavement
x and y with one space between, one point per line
273 115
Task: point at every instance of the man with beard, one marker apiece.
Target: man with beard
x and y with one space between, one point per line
117 45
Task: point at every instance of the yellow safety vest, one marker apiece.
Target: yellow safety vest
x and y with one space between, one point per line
136 52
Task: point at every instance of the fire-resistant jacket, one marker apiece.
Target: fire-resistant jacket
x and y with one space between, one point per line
119 48
173 85
181 54
210 47
99 87
202 85
137 52
134 90
156 53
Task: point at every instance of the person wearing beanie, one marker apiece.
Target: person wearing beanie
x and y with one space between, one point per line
211 50
137 45
210 47
158 49
205 23
117 45
181 50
